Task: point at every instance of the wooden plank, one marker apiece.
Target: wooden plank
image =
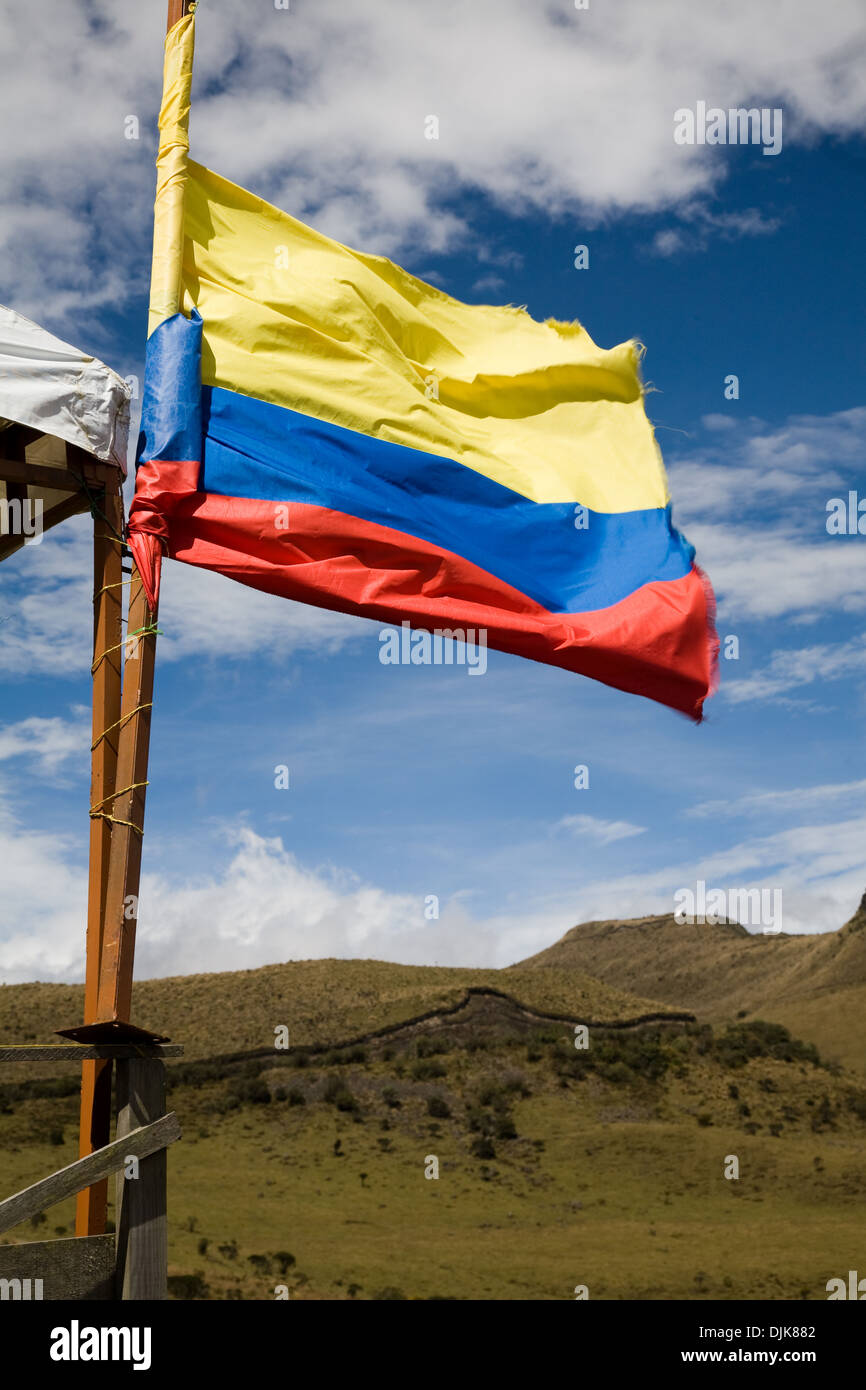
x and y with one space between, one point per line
42 474
124 871
65 1183
67 1269
78 1052
61 511
140 1203
95 1115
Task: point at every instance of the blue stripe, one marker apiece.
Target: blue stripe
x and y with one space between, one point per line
171 403
262 451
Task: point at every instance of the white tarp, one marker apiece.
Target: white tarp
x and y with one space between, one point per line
52 387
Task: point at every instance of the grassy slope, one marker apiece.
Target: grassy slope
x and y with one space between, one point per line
609 1178
320 1001
814 984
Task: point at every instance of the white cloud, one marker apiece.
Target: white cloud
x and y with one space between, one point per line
322 108
47 744
46 604
800 461
791 801
604 832
702 223
754 502
772 573
793 669
263 905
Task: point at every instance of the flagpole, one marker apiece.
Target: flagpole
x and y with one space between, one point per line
95 1118
116 968
123 809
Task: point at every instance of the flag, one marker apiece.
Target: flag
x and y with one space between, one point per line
320 424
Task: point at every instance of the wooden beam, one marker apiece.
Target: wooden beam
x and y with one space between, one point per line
45 475
82 1270
77 1052
65 1183
70 506
127 806
95 1119
140 1203
176 10
127 810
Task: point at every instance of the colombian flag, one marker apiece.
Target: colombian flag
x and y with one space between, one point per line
320 424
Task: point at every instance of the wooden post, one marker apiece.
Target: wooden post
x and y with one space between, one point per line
121 907
142 1233
95 1122
124 871
176 10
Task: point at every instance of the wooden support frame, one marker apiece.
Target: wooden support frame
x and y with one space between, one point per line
137 1143
144 1132
140 1206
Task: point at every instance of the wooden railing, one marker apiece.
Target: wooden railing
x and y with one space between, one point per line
131 1264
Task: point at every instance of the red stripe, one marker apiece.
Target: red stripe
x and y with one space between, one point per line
658 642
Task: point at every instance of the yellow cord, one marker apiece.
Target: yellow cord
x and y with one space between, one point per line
117 724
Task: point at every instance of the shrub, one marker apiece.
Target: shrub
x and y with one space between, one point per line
391 1099
428 1071
743 1041
483 1147
857 1104
188 1286
516 1083
296 1097
337 1093
248 1089
490 1093
617 1073
438 1107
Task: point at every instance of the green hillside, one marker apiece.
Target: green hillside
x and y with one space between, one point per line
557 1167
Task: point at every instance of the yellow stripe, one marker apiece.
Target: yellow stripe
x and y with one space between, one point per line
296 319
171 163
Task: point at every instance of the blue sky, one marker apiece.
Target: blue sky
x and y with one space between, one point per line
409 782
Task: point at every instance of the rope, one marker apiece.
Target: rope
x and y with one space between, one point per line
96 511
116 820
118 722
118 585
96 813
112 796
151 630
